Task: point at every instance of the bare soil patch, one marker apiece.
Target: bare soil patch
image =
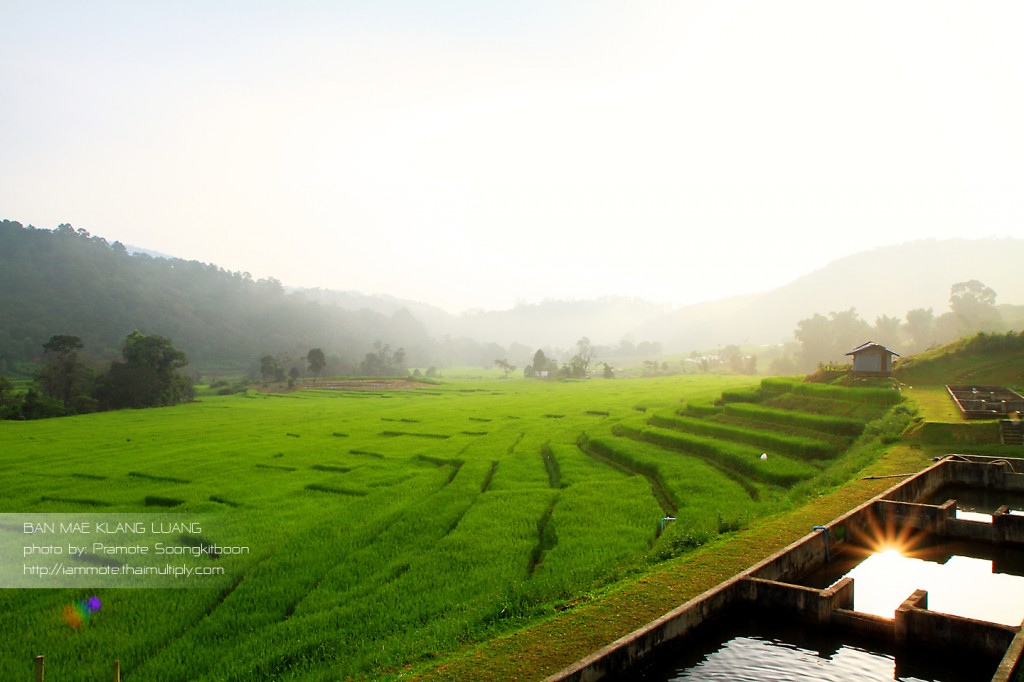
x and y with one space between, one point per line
363 385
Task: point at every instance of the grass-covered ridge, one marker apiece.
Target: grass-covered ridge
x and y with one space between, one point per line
389 528
980 359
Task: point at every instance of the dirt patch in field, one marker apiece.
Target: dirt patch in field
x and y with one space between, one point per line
363 385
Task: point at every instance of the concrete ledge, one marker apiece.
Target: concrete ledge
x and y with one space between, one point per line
915 626
814 605
626 652
864 624
1013 660
1007 527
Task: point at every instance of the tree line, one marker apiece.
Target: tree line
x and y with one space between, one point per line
578 366
382 361
148 375
825 339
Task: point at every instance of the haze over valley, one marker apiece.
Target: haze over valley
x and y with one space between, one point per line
473 157
66 281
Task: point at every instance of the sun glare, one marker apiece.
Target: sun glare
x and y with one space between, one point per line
890 553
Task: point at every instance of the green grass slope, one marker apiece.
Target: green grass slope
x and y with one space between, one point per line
390 529
983 359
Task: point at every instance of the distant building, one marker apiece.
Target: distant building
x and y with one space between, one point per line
873 360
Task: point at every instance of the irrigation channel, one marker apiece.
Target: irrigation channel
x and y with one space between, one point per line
907 586
745 647
963 578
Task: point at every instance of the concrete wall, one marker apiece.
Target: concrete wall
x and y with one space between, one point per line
807 603
1013 660
895 512
999 473
916 626
922 485
924 517
765 585
1007 528
624 654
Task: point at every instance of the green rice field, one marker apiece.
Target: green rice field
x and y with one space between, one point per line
388 528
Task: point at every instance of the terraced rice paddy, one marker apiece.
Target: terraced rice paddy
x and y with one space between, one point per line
388 528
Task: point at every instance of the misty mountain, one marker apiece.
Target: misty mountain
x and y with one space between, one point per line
884 281
552 323
560 324
66 281
437 321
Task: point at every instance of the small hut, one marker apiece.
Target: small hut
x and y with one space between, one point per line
872 360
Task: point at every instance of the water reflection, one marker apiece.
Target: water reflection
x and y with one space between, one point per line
957 584
978 504
761 649
978 517
755 658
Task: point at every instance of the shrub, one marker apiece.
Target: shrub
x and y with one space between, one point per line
891 426
994 343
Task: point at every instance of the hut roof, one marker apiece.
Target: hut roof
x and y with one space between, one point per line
870 345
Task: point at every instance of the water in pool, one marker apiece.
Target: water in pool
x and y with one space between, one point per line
972 580
978 504
743 648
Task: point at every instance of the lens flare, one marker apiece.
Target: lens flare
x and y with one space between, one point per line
79 613
902 535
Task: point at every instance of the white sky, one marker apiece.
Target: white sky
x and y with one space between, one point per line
472 154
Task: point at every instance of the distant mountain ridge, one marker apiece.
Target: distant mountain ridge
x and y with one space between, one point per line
884 281
887 280
69 282
66 281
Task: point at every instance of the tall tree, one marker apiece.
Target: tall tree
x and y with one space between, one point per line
921 328
734 357
974 306
540 361
828 339
504 364
271 369
814 335
64 377
579 364
887 330
148 377
317 361
382 362
7 404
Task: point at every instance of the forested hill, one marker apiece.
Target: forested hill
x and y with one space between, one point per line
65 281
68 282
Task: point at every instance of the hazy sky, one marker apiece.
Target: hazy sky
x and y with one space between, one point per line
471 153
